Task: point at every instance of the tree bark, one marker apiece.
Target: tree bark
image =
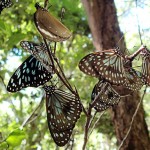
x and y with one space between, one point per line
104 26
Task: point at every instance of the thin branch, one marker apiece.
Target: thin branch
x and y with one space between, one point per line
131 57
63 77
96 123
45 3
132 120
34 114
3 82
139 30
90 124
89 116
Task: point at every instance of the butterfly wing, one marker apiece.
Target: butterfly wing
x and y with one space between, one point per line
107 97
5 4
63 111
61 138
86 65
39 52
50 27
109 65
146 70
63 108
134 80
30 73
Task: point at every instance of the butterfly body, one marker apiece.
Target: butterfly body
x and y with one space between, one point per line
50 27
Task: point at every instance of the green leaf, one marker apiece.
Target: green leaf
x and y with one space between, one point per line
2 25
16 38
15 137
4 145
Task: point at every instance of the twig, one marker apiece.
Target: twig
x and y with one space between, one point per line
3 82
133 117
45 3
96 123
34 114
90 124
63 77
139 30
88 120
131 57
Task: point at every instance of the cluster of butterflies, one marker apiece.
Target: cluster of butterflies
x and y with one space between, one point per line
113 69
63 107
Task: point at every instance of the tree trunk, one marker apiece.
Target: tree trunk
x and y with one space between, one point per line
102 18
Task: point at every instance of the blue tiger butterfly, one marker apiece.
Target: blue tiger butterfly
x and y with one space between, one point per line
107 96
63 111
30 73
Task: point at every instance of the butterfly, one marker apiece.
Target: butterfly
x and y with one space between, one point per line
63 111
40 52
134 80
107 96
50 27
30 73
145 66
107 64
5 4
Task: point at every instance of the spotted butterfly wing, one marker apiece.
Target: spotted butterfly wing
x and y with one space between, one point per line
30 73
39 51
108 64
63 111
146 70
107 96
50 27
134 80
5 4
61 138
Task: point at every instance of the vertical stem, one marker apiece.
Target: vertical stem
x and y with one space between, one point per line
131 123
89 116
45 3
55 69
